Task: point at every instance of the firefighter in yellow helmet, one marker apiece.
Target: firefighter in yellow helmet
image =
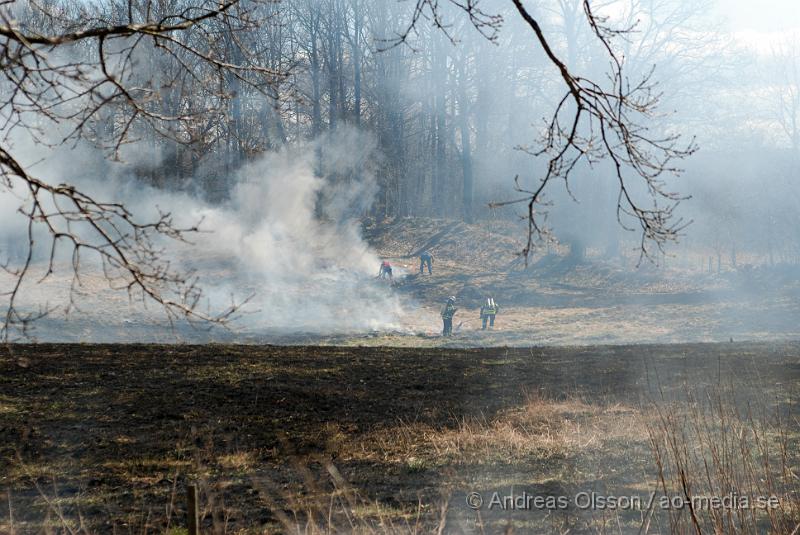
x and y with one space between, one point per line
488 312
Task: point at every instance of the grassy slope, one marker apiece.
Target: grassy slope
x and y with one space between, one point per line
558 300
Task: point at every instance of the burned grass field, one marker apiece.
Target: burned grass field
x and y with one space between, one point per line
105 438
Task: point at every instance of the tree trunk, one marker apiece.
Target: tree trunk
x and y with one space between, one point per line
466 146
357 62
440 128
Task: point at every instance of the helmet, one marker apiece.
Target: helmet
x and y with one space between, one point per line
451 299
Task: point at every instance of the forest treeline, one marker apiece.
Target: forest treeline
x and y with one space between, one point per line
454 110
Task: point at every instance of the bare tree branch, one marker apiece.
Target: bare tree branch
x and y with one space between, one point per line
65 81
597 121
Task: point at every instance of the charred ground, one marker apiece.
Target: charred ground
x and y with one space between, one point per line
111 434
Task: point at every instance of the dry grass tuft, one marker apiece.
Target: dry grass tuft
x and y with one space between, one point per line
715 445
540 429
239 461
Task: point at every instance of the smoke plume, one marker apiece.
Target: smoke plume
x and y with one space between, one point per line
288 239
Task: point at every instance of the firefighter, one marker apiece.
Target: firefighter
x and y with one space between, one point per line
488 312
448 312
425 258
385 270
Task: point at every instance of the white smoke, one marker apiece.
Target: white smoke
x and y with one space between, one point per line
289 236
297 239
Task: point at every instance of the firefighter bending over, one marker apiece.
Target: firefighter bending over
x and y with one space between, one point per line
425 258
386 270
488 312
448 312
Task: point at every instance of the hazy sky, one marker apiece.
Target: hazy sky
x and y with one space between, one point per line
761 24
761 15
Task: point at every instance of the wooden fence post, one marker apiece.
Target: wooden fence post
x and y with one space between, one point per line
192 510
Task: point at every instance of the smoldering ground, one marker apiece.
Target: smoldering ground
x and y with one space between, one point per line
286 245
295 235
289 241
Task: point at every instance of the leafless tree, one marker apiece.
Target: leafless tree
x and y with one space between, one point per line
787 91
594 120
77 71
